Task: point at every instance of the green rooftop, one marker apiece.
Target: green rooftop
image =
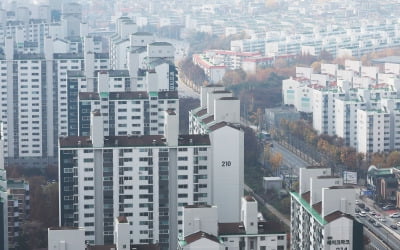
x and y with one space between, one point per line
104 94
309 209
153 94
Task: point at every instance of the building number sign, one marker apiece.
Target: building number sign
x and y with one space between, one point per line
226 163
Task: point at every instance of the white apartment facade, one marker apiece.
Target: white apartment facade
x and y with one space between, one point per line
34 108
316 213
344 107
156 176
3 203
219 116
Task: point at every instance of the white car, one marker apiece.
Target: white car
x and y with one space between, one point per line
394 215
382 219
363 214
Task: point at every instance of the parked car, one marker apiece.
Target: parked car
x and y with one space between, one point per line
382 204
382 219
398 224
376 224
363 214
395 215
377 216
357 210
361 205
394 226
370 220
366 209
372 213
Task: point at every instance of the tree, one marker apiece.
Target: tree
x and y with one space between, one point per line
276 161
234 77
393 159
325 56
281 63
266 154
316 67
378 160
251 147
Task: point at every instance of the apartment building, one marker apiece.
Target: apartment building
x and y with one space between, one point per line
322 206
359 104
127 113
30 31
203 230
167 172
18 209
60 238
219 117
34 108
324 102
213 71
3 203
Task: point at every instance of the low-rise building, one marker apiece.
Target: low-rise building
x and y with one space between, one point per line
202 229
272 183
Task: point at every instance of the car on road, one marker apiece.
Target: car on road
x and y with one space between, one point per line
363 214
382 219
377 216
376 224
393 226
388 207
370 220
395 215
372 213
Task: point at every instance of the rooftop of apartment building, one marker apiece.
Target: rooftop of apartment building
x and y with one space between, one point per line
197 236
223 124
316 209
64 228
113 72
101 247
134 141
68 56
16 183
237 228
146 247
132 95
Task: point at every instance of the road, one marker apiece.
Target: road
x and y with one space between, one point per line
186 91
289 159
386 234
375 241
382 232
